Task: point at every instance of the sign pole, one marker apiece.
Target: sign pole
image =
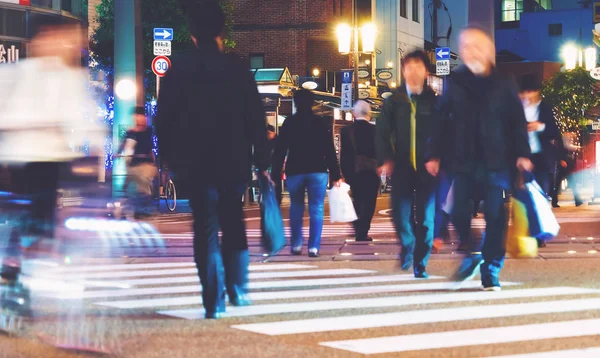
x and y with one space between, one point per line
157 85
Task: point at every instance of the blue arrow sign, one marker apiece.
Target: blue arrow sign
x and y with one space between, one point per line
163 34
442 53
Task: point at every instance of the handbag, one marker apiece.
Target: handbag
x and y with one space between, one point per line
271 222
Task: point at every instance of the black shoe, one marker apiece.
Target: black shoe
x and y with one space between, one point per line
213 315
541 243
296 252
421 274
468 268
491 283
406 261
556 206
313 254
578 203
240 300
364 239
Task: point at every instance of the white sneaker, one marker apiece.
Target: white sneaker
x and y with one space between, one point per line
492 288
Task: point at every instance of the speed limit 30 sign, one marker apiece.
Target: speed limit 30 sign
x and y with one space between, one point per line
160 65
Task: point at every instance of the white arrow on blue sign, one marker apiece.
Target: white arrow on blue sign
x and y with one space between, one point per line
163 34
442 53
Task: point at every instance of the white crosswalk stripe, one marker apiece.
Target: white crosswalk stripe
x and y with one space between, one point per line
332 297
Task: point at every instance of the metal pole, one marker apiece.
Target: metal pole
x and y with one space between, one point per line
157 85
434 30
355 27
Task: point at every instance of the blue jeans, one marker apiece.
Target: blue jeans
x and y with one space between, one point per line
220 266
316 186
416 238
492 246
442 218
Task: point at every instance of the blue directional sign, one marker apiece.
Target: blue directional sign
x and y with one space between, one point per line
163 34
347 76
442 53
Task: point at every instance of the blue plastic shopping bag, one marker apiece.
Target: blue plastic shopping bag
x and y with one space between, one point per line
271 224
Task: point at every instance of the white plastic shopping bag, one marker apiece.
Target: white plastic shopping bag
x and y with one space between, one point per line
548 226
340 204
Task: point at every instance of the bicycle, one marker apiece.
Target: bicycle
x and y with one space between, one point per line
166 190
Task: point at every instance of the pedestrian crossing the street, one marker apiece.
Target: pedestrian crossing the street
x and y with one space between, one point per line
306 299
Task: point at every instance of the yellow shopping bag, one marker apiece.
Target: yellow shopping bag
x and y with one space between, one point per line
518 242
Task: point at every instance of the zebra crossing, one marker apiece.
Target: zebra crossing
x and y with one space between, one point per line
333 297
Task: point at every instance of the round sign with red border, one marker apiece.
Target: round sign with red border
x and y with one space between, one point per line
160 65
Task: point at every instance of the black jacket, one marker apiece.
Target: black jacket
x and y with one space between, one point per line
364 133
211 118
480 120
393 128
307 141
550 138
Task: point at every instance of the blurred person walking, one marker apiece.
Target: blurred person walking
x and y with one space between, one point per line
141 169
47 122
308 143
490 142
209 144
408 117
359 167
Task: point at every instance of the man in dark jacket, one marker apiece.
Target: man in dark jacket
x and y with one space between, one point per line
489 136
209 143
544 137
407 119
359 167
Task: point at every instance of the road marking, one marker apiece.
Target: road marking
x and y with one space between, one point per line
338 281
473 337
381 302
261 296
169 272
419 317
579 353
254 275
162 265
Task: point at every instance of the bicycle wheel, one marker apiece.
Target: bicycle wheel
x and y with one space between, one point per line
170 196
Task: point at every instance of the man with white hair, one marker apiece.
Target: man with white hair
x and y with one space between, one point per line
483 123
359 167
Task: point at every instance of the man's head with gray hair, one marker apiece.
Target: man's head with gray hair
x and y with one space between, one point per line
362 110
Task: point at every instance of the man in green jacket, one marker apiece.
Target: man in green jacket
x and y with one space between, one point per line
403 137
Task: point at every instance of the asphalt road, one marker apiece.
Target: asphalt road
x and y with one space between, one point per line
136 294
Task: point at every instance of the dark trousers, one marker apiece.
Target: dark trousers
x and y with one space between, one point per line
365 186
226 265
541 171
416 238
34 184
492 246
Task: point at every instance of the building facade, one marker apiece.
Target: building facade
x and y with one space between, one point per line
16 17
539 33
299 35
400 30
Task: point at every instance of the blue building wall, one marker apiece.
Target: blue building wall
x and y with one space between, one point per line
532 40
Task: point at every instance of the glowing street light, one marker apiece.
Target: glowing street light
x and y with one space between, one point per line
344 35
368 33
125 89
316 72
590 58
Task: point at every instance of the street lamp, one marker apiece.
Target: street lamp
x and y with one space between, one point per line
574 57
348 44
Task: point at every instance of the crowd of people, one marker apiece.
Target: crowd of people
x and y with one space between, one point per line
445 153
